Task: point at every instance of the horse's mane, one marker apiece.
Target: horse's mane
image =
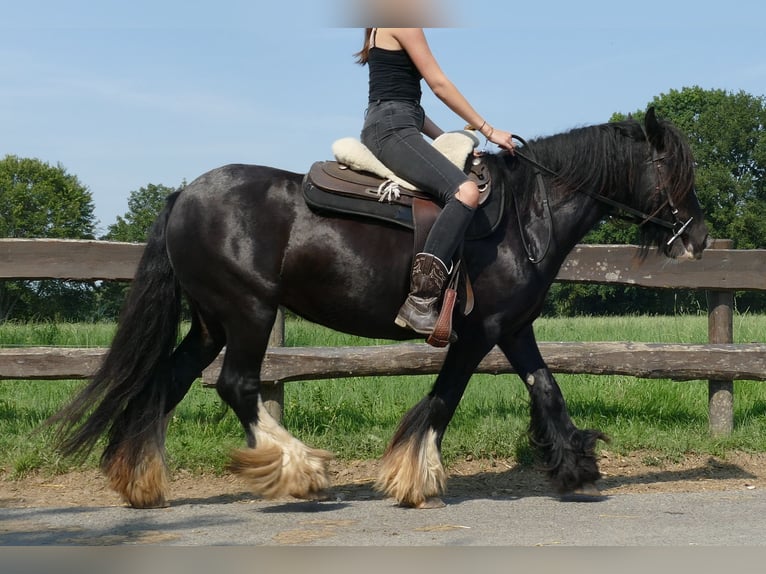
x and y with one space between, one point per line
608 159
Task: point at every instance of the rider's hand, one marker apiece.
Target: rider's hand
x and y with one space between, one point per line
501 138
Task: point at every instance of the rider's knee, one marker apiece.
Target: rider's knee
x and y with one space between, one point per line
468 193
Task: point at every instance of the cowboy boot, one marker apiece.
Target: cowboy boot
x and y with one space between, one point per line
420 311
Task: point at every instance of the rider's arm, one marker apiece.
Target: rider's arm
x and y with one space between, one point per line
431 129
413 40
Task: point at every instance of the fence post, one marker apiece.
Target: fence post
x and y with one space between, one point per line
273 394
720 306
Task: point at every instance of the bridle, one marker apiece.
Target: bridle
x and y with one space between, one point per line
677 226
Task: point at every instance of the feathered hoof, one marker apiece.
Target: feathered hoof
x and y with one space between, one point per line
142 486
575 467
412 473
273 472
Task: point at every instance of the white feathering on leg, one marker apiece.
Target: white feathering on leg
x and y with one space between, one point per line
280 465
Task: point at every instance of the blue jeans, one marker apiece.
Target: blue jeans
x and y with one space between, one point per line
392 133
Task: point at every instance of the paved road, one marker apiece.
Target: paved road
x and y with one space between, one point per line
732 518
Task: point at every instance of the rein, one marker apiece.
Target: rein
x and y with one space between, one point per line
677 227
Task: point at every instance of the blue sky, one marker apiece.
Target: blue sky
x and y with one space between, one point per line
123 94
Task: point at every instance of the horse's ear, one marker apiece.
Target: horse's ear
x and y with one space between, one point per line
654 130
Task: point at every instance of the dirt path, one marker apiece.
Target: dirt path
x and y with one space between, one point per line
634 473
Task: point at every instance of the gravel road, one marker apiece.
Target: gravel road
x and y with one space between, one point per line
726 518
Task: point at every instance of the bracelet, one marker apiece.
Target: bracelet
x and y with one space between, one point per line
473 128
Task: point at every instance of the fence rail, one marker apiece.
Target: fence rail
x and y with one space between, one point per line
680 362
720 272
719 269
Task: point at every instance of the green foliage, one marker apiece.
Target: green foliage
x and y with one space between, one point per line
144 205
40 200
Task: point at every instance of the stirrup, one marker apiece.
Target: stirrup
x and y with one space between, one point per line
443 335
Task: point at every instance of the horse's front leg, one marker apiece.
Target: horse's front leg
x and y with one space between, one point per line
411 470
568 453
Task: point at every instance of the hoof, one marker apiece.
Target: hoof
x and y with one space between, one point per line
322 496
587 492
140 485
587 489
148 505
274 472
432 502
411 472
427 504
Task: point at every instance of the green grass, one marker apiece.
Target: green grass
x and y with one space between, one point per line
56 334
356 417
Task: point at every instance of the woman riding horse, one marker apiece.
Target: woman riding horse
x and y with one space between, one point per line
398 58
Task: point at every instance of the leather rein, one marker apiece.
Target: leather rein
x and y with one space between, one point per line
678 226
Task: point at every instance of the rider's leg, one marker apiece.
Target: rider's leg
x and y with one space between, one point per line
431 267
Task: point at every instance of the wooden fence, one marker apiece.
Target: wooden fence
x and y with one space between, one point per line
720 272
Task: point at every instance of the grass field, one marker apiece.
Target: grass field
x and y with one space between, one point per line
355 418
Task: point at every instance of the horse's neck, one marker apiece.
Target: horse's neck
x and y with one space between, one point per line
573 219
575 211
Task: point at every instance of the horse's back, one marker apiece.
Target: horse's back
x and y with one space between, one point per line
236 178
231 192
227 215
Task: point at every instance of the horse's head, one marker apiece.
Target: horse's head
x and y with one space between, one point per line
676 226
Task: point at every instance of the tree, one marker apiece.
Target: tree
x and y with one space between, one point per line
727 134
40 200
144 205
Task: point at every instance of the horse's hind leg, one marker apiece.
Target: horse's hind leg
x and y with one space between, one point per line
135 465
275 463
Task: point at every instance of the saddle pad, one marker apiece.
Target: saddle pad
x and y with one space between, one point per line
456 146
486 220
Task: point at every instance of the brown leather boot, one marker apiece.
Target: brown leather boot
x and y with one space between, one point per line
420 311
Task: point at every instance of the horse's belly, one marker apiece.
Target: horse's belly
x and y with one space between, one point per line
348 276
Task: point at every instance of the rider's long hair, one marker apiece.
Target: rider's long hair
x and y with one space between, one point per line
363 54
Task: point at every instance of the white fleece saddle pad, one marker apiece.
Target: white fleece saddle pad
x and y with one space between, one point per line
456 146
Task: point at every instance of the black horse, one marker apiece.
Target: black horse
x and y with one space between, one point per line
240 241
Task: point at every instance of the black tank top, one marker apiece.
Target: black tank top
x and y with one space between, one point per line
393 75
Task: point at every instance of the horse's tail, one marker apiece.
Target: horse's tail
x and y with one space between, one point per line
126 396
